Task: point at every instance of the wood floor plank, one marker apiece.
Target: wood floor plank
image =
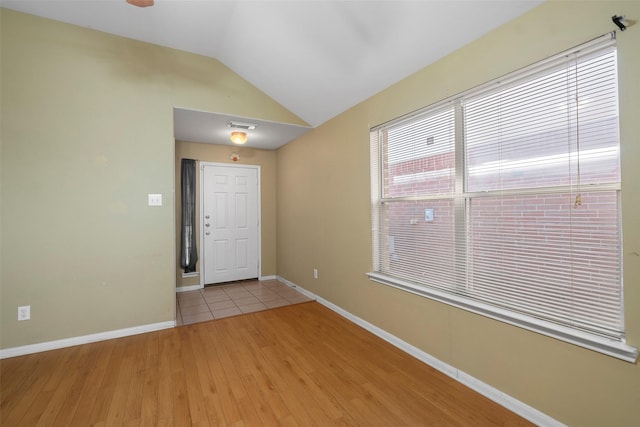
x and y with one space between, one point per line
133 403
95 357
122 387
16 376
259 398
107 388
64 389
195 397
150 378
216 339
164 401
96 369
181 414
203 351
33 381
52 379
291 366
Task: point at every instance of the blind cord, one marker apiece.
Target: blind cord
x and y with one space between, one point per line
578 201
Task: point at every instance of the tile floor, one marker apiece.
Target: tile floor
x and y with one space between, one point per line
218 301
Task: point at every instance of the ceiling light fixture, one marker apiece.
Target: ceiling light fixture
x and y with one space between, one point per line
141 3
238 137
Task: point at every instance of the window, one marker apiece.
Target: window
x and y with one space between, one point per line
505 200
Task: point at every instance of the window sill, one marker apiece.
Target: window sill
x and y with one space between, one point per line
617 349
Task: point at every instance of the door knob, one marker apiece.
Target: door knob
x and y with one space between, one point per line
207 224
207 233
207 216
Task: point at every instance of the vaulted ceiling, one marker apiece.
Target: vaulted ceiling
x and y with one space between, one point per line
316 58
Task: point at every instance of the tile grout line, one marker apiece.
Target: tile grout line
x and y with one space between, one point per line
287 296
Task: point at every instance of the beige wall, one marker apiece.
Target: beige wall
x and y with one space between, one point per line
266 159
87 133
324 222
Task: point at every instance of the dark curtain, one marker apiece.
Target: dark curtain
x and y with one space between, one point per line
188 250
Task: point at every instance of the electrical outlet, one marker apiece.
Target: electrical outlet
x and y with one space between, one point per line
155 199
24 312
315 273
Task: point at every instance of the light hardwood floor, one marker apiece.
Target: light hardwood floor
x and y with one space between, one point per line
300 365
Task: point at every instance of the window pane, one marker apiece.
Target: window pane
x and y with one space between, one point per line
417 241
543 256
557 129
419 156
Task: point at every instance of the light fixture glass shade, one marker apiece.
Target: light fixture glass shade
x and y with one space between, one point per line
141 3
238 137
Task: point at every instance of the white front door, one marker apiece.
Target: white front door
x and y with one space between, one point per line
230 223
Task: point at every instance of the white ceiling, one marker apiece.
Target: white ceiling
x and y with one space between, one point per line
202 126
316 58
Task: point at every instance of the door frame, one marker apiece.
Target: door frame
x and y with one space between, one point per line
201 220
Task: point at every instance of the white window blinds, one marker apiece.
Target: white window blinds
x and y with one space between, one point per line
418 181
505 200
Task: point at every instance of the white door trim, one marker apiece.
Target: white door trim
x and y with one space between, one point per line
201 201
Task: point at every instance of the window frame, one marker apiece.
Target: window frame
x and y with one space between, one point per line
462 199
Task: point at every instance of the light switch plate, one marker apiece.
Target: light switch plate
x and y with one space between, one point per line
155 199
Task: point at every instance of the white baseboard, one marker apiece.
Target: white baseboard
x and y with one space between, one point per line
188 288
265 278
85 339
514 405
